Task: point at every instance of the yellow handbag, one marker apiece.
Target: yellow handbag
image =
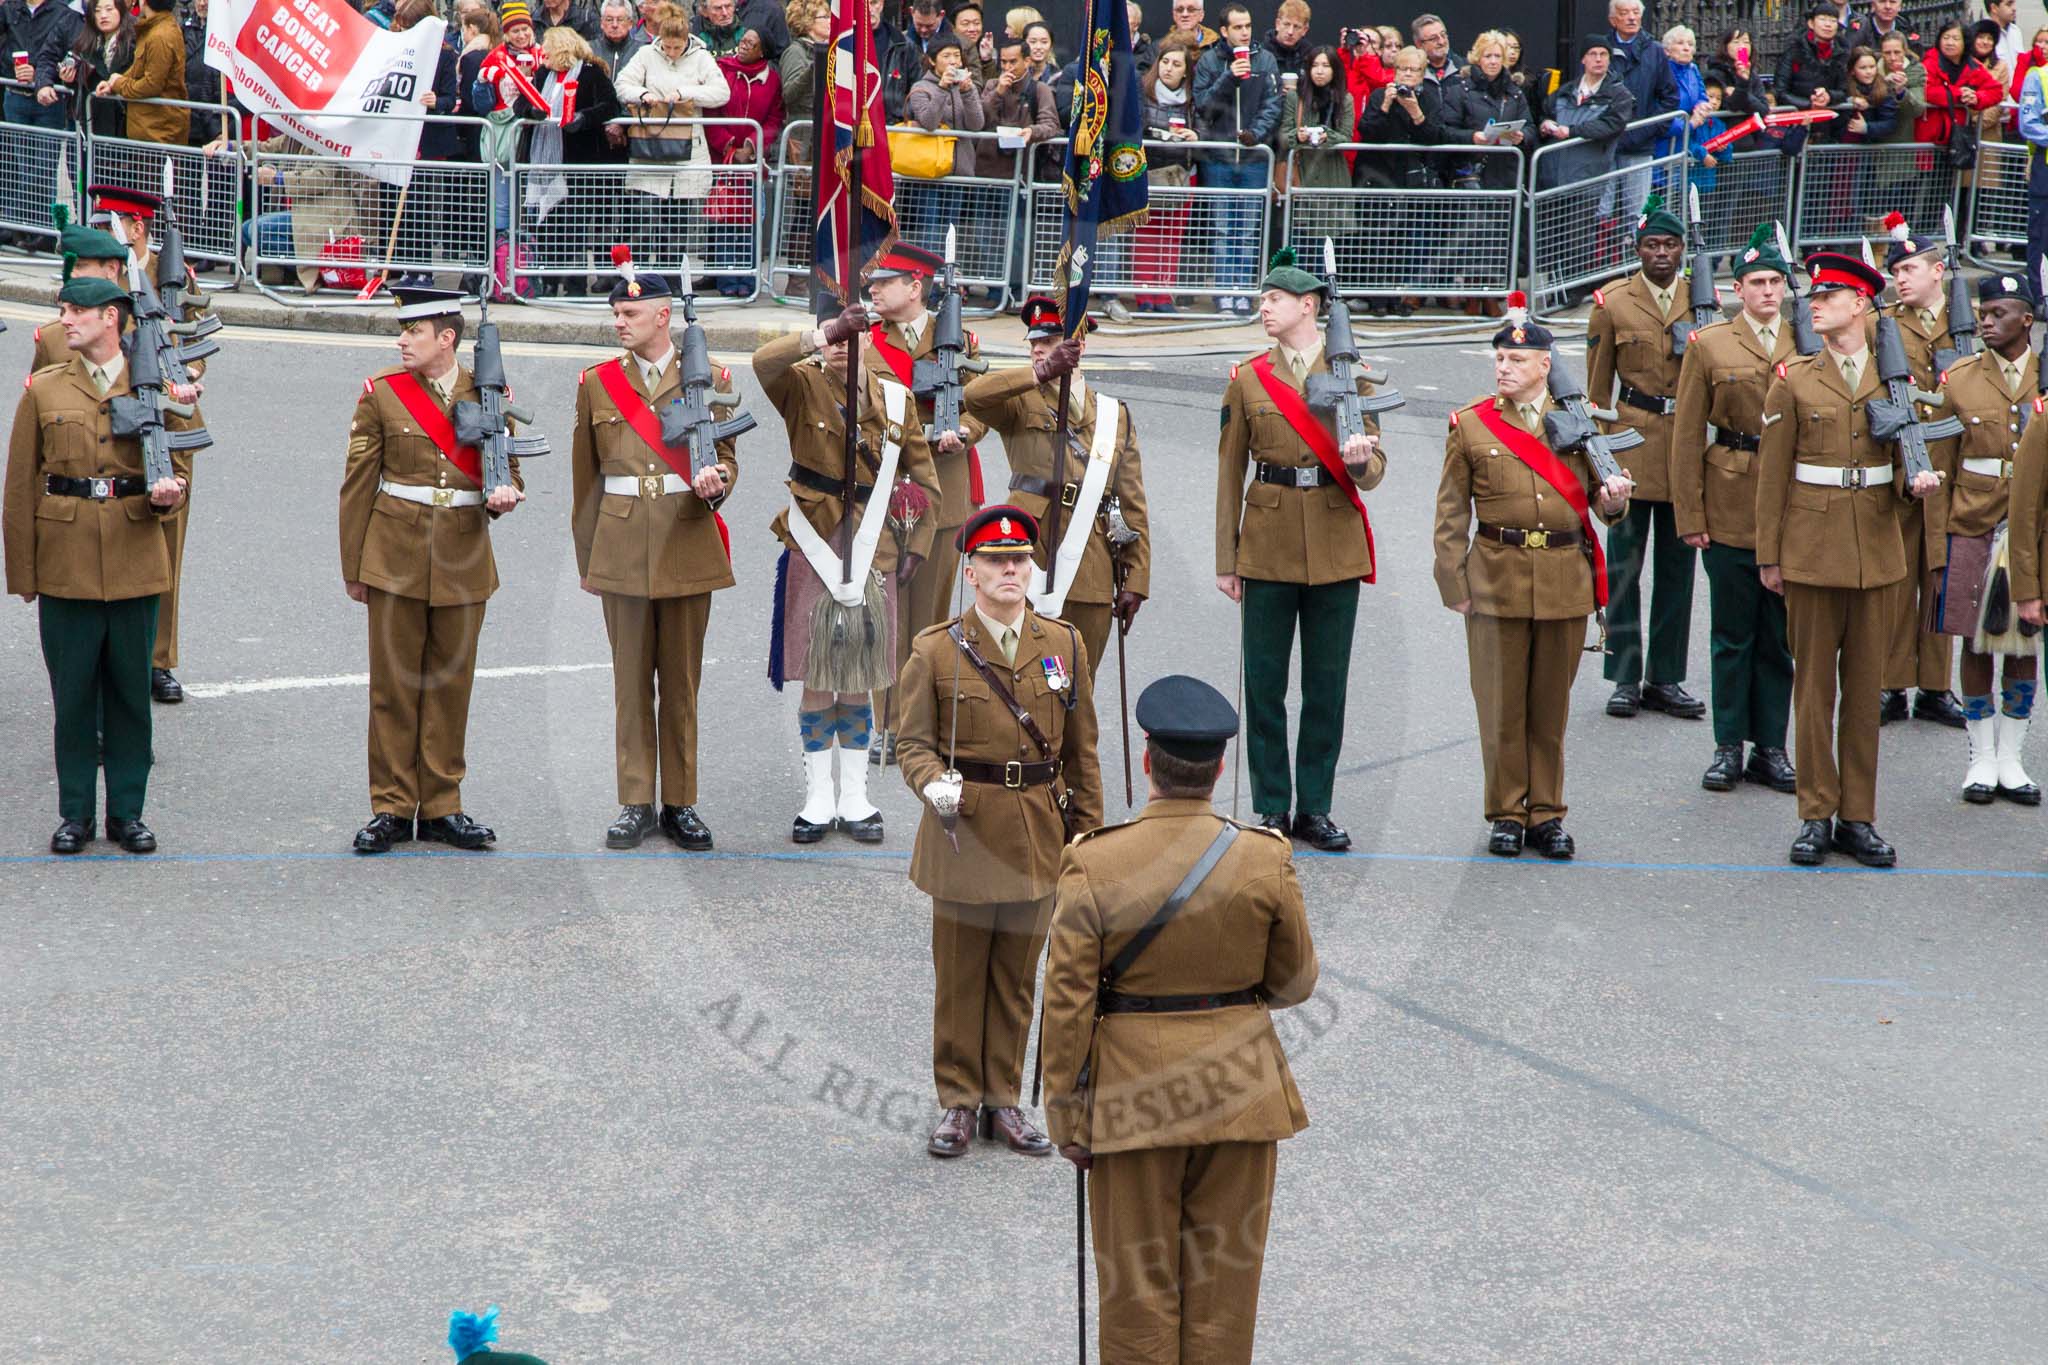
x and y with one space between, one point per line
921 156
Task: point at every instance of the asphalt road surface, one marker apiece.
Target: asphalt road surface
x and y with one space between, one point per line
261 1100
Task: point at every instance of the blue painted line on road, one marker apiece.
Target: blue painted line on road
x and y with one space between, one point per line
891 855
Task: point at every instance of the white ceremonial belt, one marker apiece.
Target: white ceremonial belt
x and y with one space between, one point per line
644 485
432 497
1835 476
1990 469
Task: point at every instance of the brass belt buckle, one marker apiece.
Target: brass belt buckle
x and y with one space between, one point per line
1853 478
444 497
1536 540
1013 775
102 489
1070 493
650 485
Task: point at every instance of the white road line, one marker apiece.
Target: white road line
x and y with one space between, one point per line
248 685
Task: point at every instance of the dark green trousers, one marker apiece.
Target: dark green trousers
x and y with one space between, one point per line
1327 614
98 655
1671 564
1752 663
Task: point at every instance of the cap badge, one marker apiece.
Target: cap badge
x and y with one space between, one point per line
1004 527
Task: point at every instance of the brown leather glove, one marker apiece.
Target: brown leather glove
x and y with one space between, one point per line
1065 358
848 325
1126 607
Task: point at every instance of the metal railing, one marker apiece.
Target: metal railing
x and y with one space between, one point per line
1997 209
1581 231
1845 190
1461 243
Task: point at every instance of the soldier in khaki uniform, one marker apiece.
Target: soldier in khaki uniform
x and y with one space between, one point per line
1169 1083
1024 411
1827 537
1918 657
1713 497
82 542
2027 523
1000 800
1525 583
907 334
844 652
1629 355
650 545
1292 546
416 550
1996 393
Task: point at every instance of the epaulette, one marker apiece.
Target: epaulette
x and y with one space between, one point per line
1260 829
2040 404
1084 837
939 629
1454 419
725 375
1599 298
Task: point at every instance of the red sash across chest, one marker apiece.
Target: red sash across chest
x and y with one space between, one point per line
902 365
1545 465
1295 409
438 426
633 408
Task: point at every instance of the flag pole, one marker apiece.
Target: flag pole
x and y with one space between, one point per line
850 265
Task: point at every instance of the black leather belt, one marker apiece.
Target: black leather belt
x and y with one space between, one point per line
1116 1002
1011 775
1648 402
1293 476
1042 488
824 483
1534 540
1735 440
99 490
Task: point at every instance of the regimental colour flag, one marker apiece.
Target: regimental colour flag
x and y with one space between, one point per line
1104 176
856 220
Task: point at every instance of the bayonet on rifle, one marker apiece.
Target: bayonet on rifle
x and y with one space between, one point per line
1962 316
936 378
1705 304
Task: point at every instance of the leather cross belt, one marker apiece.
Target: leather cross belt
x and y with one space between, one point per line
1116 1002
1648 402
1015 776
1293 476
99 490
825 483
1532 540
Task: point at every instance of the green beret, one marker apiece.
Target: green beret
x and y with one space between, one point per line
87 292
1658 221
90 244
1761 254
1283 273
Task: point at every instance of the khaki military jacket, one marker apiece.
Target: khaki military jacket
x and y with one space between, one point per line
1629 340
1483 478
1026 415
2027 511
1174 1080
1722 381
1921 341
52 349
813 407
662 546
1010 838
1973 504
1820 536
1270 531
956 499
76 547
439 555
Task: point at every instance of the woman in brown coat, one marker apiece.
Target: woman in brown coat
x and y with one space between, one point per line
158 72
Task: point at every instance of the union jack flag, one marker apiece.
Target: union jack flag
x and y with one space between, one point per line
856 220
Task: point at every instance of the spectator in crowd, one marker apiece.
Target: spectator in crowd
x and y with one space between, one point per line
563 210
1396 116
928 26
617 39
2004 15
1237 99
1881 23
1958 92
1018 18
755 84
1513 46
434 213
1680 43
899 61
1809 74
1144 51
811 23
580 15
1442 86
1038 47
33 28
496 100
1391 43
1189 28
157 73
98 51
2035 55
1907 80
671 80
944 97
1364 72
977 44
766 18
1288 40
1638 62
1592 111
1017 104
303 212
718 26
1984 46
1167 87
202 82
1489 97
648 25
1742 85
480 34
1315 117
1871 110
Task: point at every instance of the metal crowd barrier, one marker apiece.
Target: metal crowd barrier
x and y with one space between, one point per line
567 218
984 207
1389 242
1223 237
1582 231
1845 190
1997 214
1738 192
206 189
38 167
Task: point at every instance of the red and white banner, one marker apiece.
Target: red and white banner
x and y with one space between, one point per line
320 55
